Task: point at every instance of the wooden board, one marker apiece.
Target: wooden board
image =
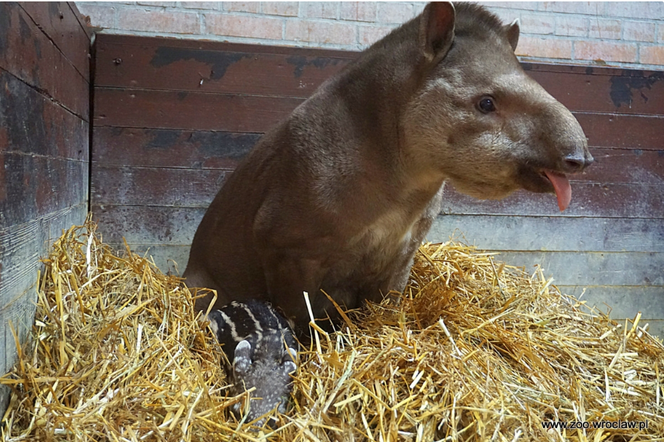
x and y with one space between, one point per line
44 150
547 234
126 62
171 148
30 55
622 200
190 110
174 117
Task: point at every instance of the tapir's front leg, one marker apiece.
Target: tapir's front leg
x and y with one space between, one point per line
288 274
398 272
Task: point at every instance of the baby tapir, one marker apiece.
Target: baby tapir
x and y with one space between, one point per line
260 344
339 195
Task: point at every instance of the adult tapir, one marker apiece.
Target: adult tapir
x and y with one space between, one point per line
339 195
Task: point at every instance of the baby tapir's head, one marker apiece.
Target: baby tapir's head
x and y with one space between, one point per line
261 355
478 119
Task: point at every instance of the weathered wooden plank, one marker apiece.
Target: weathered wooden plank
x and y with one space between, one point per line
620 91
30 123
172 259
170 148
180 187
621 301
60 23
158 64
158 225
28 54
133 40
163 64
36 186
210 149
81 19
155 186
21 246
594 268
624 200
524 233
623 131
148 225
635 166
189 110
168 225
233 113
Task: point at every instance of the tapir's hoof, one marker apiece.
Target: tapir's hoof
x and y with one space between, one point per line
267 368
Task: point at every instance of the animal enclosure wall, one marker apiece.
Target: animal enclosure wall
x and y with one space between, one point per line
173 118
44 139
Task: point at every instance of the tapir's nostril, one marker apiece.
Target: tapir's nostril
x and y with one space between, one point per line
576 163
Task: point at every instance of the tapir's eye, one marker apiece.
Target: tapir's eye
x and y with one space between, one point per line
486 105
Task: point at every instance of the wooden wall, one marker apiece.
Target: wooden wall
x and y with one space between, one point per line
172 118
44 139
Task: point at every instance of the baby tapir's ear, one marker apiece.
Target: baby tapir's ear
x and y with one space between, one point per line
437 29
512 33
217 323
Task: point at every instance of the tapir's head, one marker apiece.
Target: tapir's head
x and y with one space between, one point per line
479 119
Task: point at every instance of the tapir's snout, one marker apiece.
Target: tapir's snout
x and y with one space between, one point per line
568 140
562 150
578 161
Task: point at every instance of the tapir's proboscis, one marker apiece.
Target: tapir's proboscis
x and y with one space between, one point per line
339 195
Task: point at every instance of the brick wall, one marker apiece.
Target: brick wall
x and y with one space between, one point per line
627 34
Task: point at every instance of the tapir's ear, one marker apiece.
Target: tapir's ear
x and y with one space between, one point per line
512 32
437 29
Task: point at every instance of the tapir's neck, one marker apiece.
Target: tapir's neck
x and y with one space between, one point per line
376 90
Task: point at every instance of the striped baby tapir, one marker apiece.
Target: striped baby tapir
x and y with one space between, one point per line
261 353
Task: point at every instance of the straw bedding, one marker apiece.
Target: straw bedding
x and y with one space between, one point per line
474 350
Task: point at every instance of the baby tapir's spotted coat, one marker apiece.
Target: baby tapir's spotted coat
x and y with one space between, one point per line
261 345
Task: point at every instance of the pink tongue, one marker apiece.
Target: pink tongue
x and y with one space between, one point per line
562 188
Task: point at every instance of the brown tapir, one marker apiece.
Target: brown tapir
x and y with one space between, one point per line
339 195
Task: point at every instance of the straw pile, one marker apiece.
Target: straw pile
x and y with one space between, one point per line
475 350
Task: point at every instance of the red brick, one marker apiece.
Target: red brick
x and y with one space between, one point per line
590 8
244 26
210 6
652 55
288 9
599 50
544 47
254 7
537 23
638 31
320 32
571 26
100 16
604 29
320 9
528 6
358 11
369 35
418 8
506 16
158 20
649 10
389 12
160 4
